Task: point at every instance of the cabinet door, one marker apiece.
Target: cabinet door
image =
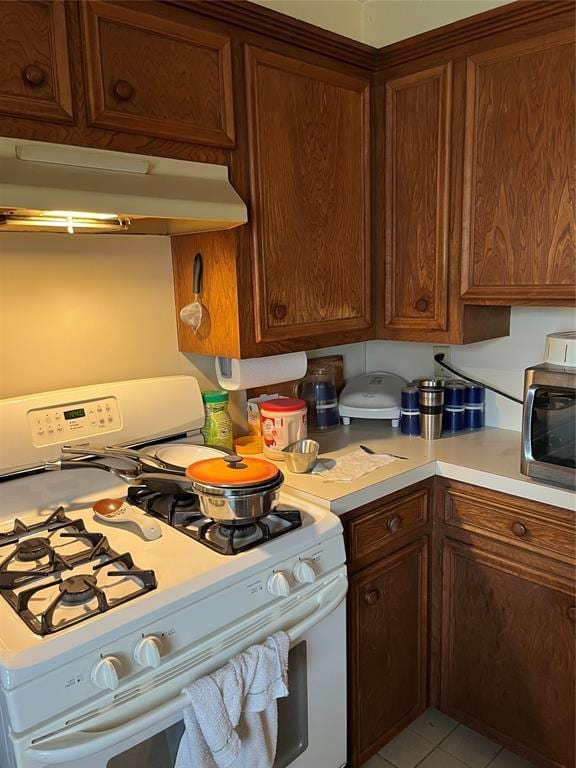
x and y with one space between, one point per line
157 77
309 147
34 63
418 118
508 650
519 225
388 617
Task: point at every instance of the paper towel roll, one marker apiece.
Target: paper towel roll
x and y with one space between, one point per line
260 371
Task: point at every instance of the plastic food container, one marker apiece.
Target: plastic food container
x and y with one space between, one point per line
283 423
217 429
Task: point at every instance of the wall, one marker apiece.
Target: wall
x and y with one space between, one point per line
341 16
87 309
380 22
500 362
387 21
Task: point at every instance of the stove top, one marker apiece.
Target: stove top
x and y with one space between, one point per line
55 573
182 512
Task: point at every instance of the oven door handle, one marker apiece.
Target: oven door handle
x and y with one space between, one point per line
76 745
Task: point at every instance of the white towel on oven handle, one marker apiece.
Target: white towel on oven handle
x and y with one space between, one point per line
232 716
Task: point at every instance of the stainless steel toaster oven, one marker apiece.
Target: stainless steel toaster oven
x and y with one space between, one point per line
549 424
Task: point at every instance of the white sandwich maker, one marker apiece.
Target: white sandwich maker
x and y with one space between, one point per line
373 395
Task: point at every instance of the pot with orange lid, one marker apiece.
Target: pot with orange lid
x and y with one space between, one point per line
235 490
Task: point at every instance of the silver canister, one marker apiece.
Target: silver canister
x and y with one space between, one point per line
431 405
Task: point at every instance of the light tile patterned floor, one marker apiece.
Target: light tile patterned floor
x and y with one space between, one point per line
434 740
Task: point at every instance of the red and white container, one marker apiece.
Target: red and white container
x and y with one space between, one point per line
283 422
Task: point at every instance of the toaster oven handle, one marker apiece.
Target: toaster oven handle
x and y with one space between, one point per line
527 424
76 745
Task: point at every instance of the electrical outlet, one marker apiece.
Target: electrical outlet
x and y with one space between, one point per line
438 370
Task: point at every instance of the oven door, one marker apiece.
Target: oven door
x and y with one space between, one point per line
312 719
549 428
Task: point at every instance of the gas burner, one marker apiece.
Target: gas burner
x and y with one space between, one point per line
55 605
176 509
78 589
182 512
32 549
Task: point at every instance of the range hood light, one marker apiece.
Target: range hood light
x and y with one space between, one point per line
68 220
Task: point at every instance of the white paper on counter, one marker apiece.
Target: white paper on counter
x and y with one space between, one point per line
353 465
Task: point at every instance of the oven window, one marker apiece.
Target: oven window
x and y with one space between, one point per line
293 710
160 751
554 426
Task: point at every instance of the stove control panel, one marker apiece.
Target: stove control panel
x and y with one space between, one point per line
64 423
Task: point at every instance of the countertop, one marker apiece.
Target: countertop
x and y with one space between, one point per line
489 458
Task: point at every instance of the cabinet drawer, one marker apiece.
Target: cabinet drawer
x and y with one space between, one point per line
156 77
34 63
497 516
372 530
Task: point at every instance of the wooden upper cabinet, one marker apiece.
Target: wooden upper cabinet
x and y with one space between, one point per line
154 76
519 222
416 172
34 64
309 161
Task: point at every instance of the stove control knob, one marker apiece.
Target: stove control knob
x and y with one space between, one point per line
147 652
278 584
304 572
106 673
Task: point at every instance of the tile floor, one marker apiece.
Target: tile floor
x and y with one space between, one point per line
434 740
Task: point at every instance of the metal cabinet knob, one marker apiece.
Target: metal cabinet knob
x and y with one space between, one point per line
279 311
394 523
123 90
421 305
33 75
518 529
371 597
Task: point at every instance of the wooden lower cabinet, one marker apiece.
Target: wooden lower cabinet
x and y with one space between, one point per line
387 618
388 642
508 648
504 621
472 611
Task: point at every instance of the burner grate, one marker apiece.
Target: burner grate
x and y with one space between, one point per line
84 585
55 562
56 520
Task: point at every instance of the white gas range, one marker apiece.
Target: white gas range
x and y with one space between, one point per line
100 629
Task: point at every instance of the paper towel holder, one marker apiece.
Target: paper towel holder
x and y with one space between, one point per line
224 365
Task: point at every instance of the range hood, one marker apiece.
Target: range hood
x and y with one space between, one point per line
58 188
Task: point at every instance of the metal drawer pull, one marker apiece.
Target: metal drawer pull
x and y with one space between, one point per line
518 529
394 524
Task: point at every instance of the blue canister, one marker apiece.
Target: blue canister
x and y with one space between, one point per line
410 411
453 416
474 406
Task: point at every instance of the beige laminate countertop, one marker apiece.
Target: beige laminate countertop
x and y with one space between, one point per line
489 458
